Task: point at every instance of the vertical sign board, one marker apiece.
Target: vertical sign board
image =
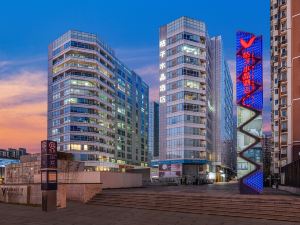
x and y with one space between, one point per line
249 97
162 91
48 174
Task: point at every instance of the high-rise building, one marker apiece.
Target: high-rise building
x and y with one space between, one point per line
187 98
153 130
132 108
224 150
285 82
267 148
97 107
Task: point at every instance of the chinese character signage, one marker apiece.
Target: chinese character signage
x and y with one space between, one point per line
249 97
49 161
48 147
48 165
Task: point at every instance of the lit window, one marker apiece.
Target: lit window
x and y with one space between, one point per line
55 131
56 96
121 110
121 88
162 87
162 54
70 101
76 147
191 49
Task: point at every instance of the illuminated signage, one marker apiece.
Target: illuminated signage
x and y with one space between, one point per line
249 91
162 99
162 66
162 88
162 77
162 43
162 54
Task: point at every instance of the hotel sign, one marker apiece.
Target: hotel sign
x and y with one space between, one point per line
14 194
48 165
249 91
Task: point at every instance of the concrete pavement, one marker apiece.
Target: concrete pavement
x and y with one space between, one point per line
80 214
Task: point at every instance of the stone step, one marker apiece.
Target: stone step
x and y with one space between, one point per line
274 202
200 205
210 211
296 200
259 207
204 203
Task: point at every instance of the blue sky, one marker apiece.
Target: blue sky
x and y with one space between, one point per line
130 27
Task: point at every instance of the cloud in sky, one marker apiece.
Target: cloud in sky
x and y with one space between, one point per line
8 67
4 64
136 56
144 61
150 75
23 106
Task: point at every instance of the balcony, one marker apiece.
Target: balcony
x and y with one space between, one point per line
283 105
283 16
283 143
283 162
283 54
283 42
282 3
283 77
283 151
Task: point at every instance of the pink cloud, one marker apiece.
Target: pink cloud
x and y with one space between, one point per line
154 94
148 70
149 74
23 107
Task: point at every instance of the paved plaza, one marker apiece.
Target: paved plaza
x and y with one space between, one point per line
225 189
80 214
86 214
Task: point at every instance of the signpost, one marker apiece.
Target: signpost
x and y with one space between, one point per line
48 174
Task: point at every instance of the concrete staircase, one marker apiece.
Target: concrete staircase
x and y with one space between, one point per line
259 207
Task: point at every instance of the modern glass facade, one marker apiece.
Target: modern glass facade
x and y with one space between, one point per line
188 98
132 108
223 156
86 89
153 130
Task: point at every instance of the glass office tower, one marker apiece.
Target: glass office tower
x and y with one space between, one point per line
186 99
191 64
153 130
224 151
95 103
132 107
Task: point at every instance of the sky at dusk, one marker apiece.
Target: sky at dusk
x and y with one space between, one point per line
129 27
